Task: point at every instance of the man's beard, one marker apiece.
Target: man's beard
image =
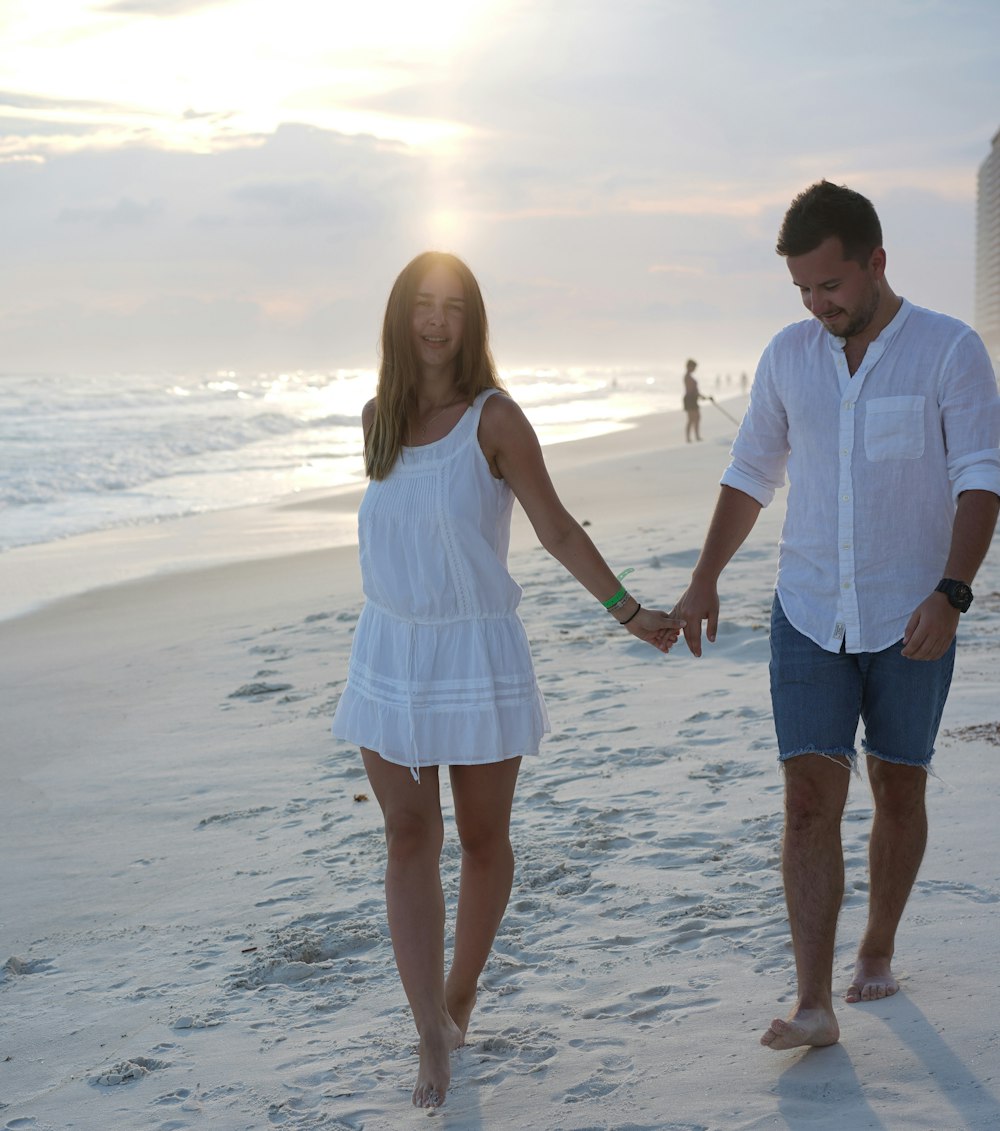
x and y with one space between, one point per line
861 319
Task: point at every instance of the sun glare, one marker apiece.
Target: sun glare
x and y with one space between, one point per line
446 229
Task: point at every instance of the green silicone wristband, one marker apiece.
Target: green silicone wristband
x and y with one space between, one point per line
621 592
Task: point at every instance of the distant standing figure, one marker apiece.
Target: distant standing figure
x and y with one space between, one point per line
691 398
887 419
440 673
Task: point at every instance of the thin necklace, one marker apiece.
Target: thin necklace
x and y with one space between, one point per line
427 423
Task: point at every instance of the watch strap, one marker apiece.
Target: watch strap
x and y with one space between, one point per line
959 594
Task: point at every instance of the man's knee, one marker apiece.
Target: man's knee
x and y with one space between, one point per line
815 789
898 790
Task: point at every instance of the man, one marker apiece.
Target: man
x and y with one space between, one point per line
887 419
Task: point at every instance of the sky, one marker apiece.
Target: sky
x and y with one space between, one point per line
190 186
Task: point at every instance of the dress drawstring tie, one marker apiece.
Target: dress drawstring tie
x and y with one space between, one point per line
411 673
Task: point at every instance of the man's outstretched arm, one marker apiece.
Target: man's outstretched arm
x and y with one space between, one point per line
733 519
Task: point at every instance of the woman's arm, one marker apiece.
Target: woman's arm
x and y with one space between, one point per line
515 455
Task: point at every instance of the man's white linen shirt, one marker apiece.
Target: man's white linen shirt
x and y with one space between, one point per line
875 463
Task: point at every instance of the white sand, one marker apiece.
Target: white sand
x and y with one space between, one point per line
192 916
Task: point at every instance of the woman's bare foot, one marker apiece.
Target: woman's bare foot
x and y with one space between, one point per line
872 980
434 1073
816 1027
460 1006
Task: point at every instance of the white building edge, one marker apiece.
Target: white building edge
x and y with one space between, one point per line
987 300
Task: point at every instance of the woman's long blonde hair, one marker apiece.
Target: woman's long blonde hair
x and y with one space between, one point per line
399 369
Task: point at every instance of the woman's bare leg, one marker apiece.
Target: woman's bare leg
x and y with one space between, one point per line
415 904
483 797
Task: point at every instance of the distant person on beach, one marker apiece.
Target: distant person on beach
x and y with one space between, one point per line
692 396
887 418
440 673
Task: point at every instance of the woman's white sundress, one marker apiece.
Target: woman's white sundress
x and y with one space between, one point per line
440 672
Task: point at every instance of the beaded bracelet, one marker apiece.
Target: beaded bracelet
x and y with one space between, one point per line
620 604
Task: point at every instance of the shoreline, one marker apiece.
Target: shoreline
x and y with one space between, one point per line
33 577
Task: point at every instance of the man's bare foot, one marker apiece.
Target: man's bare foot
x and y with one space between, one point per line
434 1074
816 1027
460 1006
872 980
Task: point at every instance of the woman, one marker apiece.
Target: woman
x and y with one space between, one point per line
440 672
692 396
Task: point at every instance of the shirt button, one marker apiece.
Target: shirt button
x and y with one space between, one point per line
846 585
846 498
848 404
846 546
845 451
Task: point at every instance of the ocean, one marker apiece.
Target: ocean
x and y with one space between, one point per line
80 454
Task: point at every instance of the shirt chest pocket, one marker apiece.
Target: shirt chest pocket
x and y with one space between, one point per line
894 428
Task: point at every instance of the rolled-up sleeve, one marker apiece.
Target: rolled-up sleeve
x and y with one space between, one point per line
759 453
970 416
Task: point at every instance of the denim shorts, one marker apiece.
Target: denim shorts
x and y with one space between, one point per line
819 697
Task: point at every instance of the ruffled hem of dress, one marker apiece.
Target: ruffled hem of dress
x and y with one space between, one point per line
429 738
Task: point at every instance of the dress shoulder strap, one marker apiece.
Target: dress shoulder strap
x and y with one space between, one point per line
468 428
481 399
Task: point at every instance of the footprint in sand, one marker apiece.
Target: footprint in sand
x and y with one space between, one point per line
611 1071
966 891
128 1071
237 815
512 1050
193 1021
258 690
21 967
719 775
325 949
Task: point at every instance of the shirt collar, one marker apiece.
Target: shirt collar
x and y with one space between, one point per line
886 335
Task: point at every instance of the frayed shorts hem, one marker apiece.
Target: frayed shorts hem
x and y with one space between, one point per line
834 754
925 765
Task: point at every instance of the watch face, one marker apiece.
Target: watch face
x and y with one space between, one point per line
958 593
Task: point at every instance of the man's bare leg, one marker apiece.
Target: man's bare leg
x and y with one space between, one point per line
483 797
415 904
812 864
896 848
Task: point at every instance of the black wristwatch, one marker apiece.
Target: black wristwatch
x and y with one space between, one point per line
958 593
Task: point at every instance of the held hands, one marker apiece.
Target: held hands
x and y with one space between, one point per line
699 602
931 629
656 628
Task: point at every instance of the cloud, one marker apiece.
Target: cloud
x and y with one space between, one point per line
615 175
312 203
162 8
125 212
673 269
22 101
277 253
